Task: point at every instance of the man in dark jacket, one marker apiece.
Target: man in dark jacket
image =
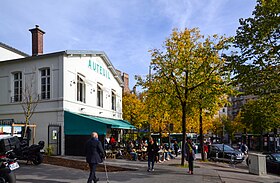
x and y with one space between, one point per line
94 155
152 151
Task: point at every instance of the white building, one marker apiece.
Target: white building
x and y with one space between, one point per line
78 92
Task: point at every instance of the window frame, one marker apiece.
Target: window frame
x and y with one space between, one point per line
81 88
114 100
100 95
45 83
17 95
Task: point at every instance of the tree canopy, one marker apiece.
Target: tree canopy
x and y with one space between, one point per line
187 62
261 115
133 110
257 64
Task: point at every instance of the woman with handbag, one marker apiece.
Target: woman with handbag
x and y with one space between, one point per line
190 154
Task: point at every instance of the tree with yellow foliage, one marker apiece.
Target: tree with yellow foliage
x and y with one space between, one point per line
133 110
187 62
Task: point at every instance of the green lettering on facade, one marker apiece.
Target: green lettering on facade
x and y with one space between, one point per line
99 69
89 64
94 66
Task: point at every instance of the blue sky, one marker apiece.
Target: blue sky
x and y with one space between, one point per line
125 29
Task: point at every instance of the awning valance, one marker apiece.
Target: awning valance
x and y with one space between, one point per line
115 123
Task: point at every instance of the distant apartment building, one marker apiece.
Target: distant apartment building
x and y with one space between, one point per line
236 104
125 78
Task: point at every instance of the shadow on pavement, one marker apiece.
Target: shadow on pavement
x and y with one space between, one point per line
41 181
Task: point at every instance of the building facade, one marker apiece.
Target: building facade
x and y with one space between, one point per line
73 92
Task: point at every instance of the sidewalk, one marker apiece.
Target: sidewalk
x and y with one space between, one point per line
170 171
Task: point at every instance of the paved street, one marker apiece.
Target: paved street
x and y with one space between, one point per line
166 172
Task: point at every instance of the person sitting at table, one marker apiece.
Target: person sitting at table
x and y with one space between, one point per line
159 152
113 142
132 151
162 153
143 151
168 153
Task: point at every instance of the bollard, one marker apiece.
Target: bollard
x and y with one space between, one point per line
232 161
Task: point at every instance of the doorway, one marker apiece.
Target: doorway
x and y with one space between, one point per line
54 139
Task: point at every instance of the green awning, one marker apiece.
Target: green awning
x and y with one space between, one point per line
116 123
126 125
77 124
81 124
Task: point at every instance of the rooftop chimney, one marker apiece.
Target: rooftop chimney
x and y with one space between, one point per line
37 40
125 78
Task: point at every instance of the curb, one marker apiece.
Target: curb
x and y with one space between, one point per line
82 165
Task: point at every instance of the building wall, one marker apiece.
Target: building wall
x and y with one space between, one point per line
30 76
63 78
47 111
237 103
93 77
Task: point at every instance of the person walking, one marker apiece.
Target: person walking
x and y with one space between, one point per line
152 150
176 148
190 154
244 148
94 155
206 150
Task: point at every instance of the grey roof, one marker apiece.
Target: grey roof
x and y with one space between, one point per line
14 50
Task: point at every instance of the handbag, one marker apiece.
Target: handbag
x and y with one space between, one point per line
193 155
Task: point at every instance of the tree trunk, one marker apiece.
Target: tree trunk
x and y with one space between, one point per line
25 129
201 134
184 133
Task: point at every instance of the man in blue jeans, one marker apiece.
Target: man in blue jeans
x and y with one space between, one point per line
94 155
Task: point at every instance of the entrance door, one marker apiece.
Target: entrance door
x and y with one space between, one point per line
55 139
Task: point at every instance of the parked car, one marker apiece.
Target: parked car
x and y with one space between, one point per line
273 163
223 152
